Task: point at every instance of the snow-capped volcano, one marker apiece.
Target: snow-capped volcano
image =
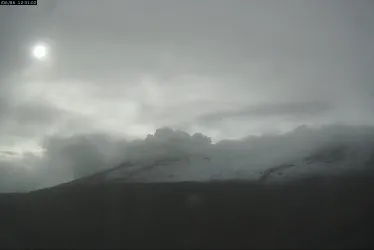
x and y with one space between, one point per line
176 156
332 160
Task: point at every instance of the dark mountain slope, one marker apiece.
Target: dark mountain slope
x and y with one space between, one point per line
316 212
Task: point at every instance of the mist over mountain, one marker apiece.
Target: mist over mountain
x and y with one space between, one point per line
328 150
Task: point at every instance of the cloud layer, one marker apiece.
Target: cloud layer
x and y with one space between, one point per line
223 69
68 158
234 69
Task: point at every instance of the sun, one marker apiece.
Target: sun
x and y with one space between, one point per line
39 51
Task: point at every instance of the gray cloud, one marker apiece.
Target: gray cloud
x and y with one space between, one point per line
36 113
222 68
240 53
9 153
276 109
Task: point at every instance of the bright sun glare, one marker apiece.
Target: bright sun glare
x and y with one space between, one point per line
39 51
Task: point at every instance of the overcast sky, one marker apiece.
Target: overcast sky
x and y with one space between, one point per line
226 69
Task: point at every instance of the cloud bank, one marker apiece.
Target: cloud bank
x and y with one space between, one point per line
68 158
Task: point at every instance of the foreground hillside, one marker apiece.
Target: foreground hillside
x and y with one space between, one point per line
317 212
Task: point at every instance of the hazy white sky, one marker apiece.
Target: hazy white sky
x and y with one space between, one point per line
226 68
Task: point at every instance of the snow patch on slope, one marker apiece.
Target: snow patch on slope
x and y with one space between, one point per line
197 168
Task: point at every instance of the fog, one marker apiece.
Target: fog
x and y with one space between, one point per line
116 71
